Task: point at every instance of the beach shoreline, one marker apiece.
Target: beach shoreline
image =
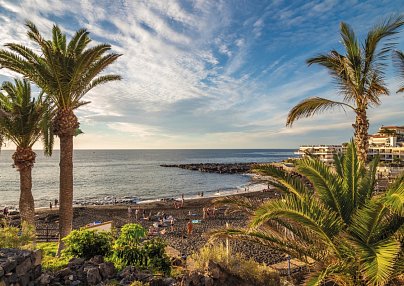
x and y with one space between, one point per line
175 236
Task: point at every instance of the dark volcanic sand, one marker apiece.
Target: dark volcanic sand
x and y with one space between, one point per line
177 239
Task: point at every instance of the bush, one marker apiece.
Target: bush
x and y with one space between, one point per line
14 237
49 259
130 250
127 248
86 243
247 269
155 255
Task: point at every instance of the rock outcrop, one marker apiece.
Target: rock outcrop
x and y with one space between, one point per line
19 267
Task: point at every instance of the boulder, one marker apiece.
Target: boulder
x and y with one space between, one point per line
93 276
45 279
107 270
23 267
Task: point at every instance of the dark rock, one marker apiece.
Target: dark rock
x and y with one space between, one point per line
37 271
98 259
107 270
45 279
9 265
93 276
64 272
75 262
24 280
37 257
24 266
208 281
11 277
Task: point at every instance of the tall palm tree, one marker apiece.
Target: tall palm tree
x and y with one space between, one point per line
399 59
65 72
337 224
359 75
26 121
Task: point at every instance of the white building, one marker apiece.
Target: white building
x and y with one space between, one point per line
388 144
324 152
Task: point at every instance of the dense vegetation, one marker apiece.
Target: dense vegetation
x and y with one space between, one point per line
332 219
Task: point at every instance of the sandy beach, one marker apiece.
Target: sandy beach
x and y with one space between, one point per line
176 237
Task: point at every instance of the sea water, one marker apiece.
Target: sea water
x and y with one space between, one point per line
104 175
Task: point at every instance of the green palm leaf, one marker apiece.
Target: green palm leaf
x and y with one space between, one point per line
399 62
282 180
309 107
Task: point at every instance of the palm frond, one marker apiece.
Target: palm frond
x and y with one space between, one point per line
399 63
326 184
324 222
352 173
283 181
377 260
309 107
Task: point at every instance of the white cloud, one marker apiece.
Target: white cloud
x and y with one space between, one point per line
223 73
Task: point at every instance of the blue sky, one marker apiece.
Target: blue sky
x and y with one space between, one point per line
210 74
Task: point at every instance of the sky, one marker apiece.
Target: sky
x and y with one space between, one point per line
210 74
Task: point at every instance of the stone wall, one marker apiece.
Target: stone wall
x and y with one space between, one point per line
19 267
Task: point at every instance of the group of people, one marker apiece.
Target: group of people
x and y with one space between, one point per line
209 212
162 220
55 205
138 212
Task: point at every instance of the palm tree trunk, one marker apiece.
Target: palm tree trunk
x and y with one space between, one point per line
361 127
66 188
26 205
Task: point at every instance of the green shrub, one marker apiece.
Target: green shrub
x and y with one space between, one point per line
129 249
86 243
155 255
49 259
14 237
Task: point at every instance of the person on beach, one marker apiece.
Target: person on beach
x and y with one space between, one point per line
56 202
136 214
182 200
50 205
190 226
129 212
172 224
5 211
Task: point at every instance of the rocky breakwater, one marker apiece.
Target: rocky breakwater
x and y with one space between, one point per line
19 267
221 168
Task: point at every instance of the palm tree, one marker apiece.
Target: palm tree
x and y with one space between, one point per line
65 72
359 75
26 121
344 231
399 59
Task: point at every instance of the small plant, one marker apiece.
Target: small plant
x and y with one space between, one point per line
139 283
129 249
86 243
155 255
49 259
248 269
14 237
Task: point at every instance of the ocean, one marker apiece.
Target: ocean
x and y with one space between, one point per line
100 175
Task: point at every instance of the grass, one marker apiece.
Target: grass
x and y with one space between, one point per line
49 259
235 263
